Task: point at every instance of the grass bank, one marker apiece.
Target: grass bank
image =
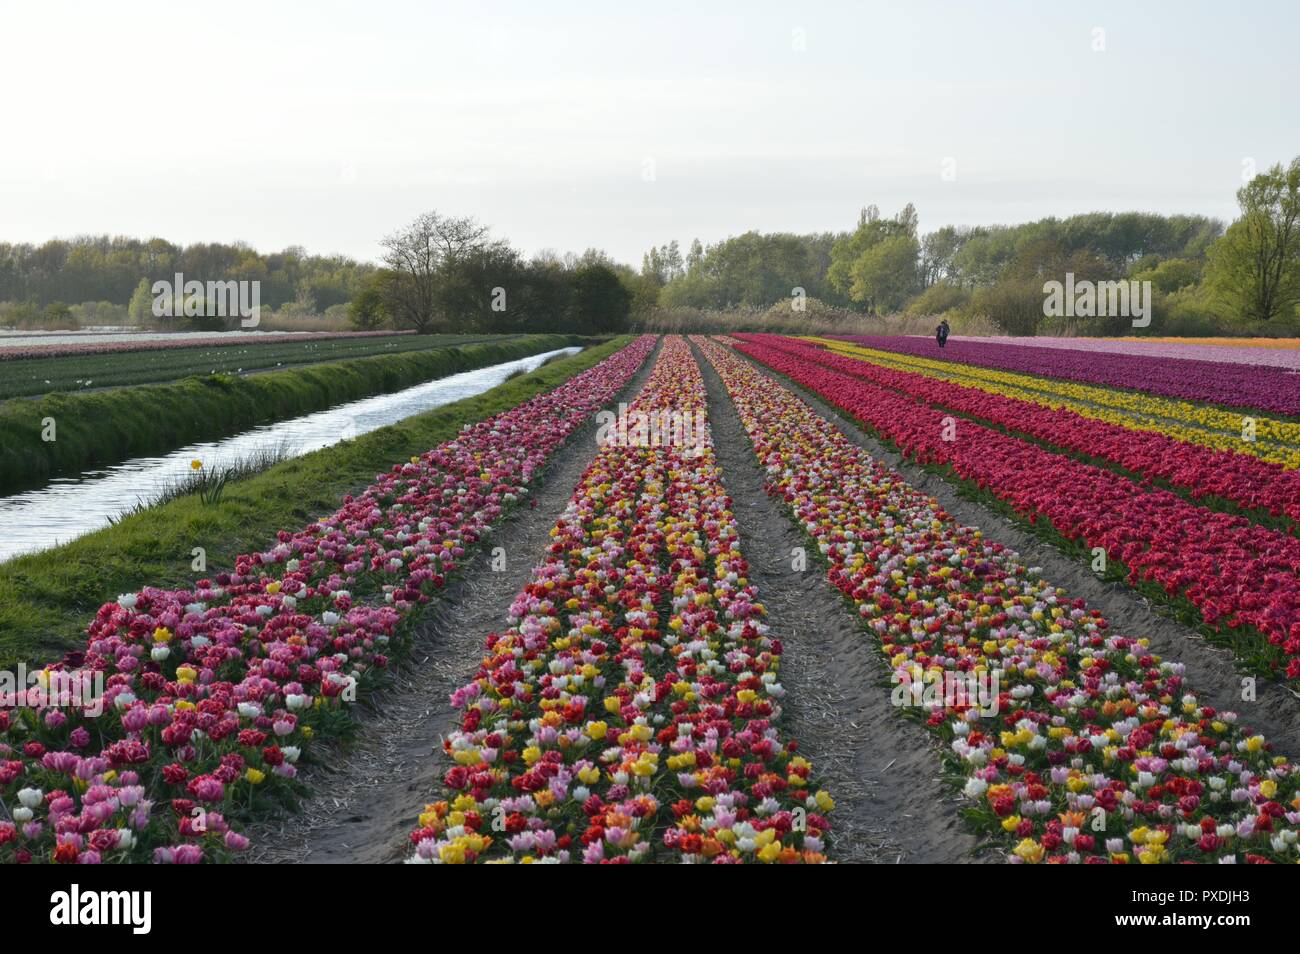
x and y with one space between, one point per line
104 427
48 598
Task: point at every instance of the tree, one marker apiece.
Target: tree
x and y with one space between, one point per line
663 264
367 310
643 288
753 270
694 256
110 268
140 309
598 302
937 251
420 258
477 289
885 275
877 264
1255 267
540 301
1171 275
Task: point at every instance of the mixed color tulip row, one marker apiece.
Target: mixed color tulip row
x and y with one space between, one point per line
1241 479
211 694
1228 383
1275 440
1099 751
629 711
1236 574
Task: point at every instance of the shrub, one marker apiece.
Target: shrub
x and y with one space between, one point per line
939 299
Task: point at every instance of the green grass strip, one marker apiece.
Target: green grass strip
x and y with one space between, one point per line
48 598
105 427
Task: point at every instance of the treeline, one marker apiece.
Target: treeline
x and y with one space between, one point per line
112 269
1205 279
886 266
753 270
447 274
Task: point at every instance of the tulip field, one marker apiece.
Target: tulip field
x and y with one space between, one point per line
1235 566
631 701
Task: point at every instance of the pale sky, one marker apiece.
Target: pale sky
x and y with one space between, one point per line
620 125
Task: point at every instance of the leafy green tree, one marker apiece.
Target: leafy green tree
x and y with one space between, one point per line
643 288
877 264
885 275
749 270
938 251
1255 267
110 268
140 308
598 302
540 302
938 298
367 311
695 256
475 289
1170 275
664 263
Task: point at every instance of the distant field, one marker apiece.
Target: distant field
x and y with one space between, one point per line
25 377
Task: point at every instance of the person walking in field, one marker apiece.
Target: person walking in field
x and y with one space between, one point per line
941 333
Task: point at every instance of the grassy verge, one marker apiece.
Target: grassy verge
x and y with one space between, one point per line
109 426
47 598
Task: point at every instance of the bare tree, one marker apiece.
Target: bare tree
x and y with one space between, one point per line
420 257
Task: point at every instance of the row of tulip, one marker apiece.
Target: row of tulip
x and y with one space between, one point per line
1235 573
1218 382
1098 751
210 695
1275 352
1244 480
1275 440
628 713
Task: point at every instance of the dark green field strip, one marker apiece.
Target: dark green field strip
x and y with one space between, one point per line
105 427
48 598
25 377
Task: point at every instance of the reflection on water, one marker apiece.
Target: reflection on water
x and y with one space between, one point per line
68 507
